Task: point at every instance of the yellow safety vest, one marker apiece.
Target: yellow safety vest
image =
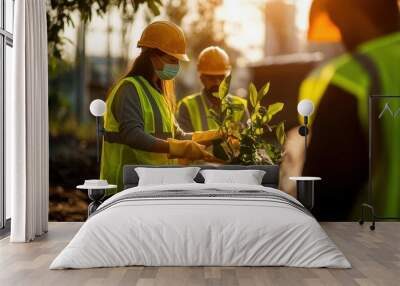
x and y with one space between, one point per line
374 69
199 112
158 121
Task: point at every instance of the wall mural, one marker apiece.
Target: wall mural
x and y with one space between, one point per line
384 139
117 98
388 109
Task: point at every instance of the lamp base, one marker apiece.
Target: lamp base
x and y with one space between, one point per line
95 195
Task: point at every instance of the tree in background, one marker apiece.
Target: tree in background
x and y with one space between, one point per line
176 10
204 29
59 15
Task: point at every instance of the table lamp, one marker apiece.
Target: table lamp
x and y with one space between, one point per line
305 108
97 109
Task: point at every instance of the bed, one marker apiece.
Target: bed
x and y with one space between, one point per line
197 224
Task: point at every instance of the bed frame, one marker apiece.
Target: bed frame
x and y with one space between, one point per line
270 179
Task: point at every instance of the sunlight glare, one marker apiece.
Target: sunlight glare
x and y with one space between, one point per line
245 24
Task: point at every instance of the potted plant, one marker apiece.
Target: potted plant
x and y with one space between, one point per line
249 143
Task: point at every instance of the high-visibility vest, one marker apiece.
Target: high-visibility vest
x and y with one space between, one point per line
373 69
158 121
199 112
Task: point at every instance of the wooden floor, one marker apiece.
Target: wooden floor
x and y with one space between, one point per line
375 257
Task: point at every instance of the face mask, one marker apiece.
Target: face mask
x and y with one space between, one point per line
168 72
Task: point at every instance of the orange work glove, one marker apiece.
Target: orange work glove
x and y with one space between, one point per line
188 149
206 137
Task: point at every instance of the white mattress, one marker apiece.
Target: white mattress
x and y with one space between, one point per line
191 231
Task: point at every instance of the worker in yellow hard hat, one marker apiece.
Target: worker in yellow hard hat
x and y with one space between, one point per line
341 90
194 110
140 127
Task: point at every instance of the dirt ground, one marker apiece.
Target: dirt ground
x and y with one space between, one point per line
67 204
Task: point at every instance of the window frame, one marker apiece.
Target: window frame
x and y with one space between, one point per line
6 39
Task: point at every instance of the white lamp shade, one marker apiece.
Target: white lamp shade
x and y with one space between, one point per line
305 107
97 107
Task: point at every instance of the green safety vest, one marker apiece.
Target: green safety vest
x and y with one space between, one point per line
374 69
199 112
158 121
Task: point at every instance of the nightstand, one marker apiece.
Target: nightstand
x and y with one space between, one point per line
95 193
305 190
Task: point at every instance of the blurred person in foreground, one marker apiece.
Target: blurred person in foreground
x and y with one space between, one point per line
213 66
140 126
340 90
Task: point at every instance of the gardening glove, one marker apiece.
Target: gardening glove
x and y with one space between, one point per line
188 149
206 137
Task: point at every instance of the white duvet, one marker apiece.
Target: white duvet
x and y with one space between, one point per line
200 231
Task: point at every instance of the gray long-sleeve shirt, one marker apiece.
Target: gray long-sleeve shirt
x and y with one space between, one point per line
127 111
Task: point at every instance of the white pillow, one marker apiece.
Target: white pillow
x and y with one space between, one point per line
166 176
247 177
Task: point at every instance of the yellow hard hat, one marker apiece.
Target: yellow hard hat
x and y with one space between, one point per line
213 61
165 36
321 28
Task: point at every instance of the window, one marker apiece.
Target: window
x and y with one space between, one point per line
6 45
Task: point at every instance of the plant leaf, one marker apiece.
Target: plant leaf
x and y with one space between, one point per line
280 133
224 87
263 91
253 94
254 117
213 112
237 107
153 7
265 119
274 109
259 131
